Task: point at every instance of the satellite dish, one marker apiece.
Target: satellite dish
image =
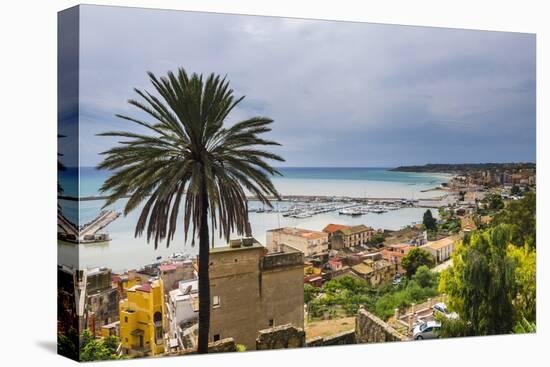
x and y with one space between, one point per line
188 289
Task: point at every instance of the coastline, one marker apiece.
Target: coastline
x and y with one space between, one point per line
125 251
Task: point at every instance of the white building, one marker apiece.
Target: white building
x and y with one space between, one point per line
442 249
184 302
307 241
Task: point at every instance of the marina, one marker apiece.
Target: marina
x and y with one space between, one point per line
87 233
308 209
310 198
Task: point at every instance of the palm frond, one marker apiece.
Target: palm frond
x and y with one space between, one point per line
187 148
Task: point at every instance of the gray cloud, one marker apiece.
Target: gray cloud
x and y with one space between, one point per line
347 94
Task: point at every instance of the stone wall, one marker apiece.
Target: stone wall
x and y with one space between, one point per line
288 256
370 329
255 292
281 337
222 346
234 280
344 338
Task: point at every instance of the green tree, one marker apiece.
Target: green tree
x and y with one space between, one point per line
481 285
67 344
111 342
190 160
309 293
452 328
494 202
418 289
424 277
97 350
446 213
521 214
429 221
525 302
525 326
92 349
515 190
415 258
377 239
85 338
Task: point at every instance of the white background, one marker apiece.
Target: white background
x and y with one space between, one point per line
28 181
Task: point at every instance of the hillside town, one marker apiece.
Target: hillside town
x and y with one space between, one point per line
301 288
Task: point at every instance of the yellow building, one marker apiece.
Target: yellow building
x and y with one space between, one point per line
142 319
310 269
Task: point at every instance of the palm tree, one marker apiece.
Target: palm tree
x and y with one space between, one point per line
60 167
189 160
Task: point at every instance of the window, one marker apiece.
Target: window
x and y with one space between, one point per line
157 318
271 322
216 301
216 337
126 319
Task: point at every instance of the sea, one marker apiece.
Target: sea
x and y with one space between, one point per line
125 251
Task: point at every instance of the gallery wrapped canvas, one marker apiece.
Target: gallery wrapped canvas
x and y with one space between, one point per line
230 183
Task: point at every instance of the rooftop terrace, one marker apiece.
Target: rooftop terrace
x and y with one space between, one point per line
305 233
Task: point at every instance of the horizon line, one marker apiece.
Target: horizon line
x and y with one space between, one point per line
379 166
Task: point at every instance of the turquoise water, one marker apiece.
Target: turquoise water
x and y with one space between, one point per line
125 251
371 182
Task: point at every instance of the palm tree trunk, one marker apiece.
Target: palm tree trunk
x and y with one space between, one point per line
204 276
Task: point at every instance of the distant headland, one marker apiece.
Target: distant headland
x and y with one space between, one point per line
463 167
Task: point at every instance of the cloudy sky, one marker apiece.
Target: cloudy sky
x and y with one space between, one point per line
341 93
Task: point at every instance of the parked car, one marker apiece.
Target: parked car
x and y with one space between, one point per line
442 309
396 279
427 330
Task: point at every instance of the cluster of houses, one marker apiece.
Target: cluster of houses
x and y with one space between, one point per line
154 310
524 176
340 250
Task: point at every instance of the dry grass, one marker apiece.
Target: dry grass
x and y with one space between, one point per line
329 327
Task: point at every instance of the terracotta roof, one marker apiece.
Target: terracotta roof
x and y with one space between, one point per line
331 228
389 253
312 235
401 246
168 267
305 233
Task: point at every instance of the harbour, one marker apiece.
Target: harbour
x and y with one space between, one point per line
310 198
